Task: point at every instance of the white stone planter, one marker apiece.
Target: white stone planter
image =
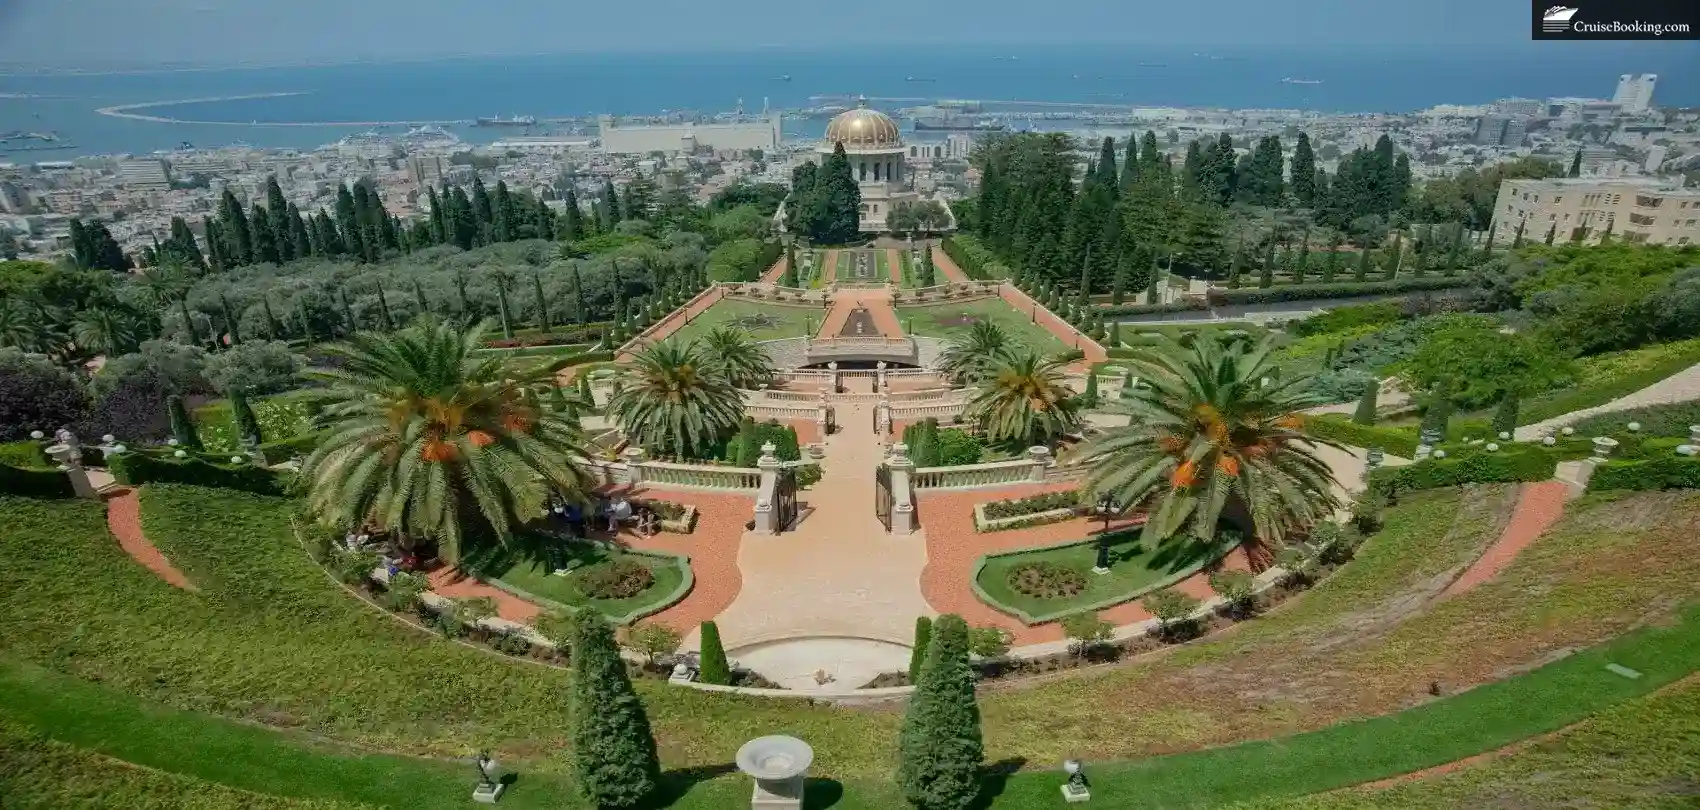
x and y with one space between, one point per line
986 524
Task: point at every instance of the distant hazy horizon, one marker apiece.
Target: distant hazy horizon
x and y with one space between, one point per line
230 33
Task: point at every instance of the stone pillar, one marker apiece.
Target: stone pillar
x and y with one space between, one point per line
832 382
71 463
767 517
882 414
902 499
879 373
1040 456
633 457
823 416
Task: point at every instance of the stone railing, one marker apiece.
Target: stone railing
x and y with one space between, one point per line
607 473
910 412
782 410
954 291
698 476
924 394
782 396
763 291
850 346
1033 469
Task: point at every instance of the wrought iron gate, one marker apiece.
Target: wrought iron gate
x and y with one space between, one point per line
882 495
785 499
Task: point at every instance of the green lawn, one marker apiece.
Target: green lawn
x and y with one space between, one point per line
1134 571
763 320
950 320
528 565
882 269
284 416
269 641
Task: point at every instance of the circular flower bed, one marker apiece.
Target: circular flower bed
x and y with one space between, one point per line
1043 580
615 579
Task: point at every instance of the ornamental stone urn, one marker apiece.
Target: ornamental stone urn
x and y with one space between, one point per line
778 764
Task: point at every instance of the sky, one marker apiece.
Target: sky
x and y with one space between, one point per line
225 32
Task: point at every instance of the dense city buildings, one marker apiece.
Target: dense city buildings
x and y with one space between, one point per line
1584 209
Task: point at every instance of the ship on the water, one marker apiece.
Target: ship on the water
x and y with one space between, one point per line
957 124
515 121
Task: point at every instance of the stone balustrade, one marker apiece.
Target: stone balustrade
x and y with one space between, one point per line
969 476
925 394
910 412
698 476
782 396
781 410
764 291
951 292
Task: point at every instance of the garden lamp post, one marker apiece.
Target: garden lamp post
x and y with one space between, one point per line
488 790
1106 509
1076 788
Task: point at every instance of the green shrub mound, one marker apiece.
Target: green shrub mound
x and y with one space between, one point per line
1469 465
1043 580
1033 504
1666 472
135 469
614 579
1657 420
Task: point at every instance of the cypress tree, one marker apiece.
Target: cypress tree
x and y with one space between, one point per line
347 311
1332 263
233 224
1517 240
1576 164
1439 410
1396 256
277 218
1304 172
274 329
242 414
1488 249
923 638
581 307
1361 272
1118 288
714 668
1151 289
182 427
265 239
502 279
789 277
1266 276
940 746
929 273
419 299
610 207
541 302
306 324
1365 414
1089 397
1552 232
1299 266
1505 416
571 227
385 320
1115 334
613 748
230 326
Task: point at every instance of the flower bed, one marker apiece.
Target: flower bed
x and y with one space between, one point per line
1046 502
674 518
1134 571
982 523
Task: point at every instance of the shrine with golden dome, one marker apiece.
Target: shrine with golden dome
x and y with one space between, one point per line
874 144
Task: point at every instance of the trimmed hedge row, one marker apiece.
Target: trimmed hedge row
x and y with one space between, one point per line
1398 441
1666 472
35 482
1350 289
974 258
1183 305
1469 466
135 469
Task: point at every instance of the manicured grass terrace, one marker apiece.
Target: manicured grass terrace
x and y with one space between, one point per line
947 321
763 320
1134 571
530 562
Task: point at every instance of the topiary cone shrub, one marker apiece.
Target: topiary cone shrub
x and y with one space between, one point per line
714 668
918 654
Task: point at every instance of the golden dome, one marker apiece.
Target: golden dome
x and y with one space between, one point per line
863 128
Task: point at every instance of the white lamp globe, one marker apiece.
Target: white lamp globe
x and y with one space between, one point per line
171 441
1504 435
1493 447
109 438
1440 454
1568 431
181 454
37 435
235 459
1634 427
1549 441
118 448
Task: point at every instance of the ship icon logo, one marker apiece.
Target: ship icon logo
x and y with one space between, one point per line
1556 19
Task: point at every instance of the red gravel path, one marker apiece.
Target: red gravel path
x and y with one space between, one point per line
894 264
676 319
124 519
1057 326
1539 506
713 549
773 273
953 547
943 263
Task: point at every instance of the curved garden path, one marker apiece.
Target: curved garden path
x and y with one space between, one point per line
773 273
953 547
1679 387
124 519
894 265
1539 506
947 266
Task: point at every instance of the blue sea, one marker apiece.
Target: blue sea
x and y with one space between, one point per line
1350 80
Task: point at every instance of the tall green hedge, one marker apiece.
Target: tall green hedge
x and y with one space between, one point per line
1353 289
1665 472
35 482
1473 465
973 257
1336 427
135 469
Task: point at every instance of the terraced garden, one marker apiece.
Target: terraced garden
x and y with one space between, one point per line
946 321
144 673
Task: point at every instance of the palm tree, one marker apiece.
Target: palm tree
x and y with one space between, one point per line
969 357
732 354
106 331
429 438
1218 431
673 403
1023 401
21 328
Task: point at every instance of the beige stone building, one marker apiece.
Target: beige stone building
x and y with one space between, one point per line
1635 210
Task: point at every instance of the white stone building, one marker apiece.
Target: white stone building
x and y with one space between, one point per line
1636 210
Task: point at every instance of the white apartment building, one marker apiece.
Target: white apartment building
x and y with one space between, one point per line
144 173
1635 210
1635 92
1520 107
